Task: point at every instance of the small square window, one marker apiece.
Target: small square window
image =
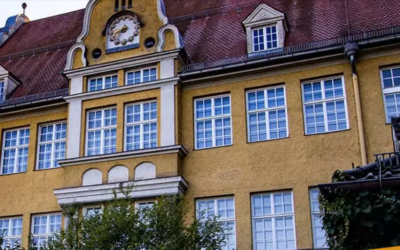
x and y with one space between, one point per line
265 38
105 82
141 76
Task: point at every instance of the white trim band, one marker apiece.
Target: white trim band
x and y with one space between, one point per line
176 185
176 149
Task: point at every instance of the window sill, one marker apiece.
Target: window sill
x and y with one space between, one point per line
13 174
46 169
330 132
270 140
201 149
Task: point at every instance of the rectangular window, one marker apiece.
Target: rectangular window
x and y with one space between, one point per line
318 232
15 151
265 38
224 209
140 76
145 204
91 211
213 122
391 92
325 108
44 227
273 221
267 114
105 82
51 145
2 92
11 229
101 132
141 126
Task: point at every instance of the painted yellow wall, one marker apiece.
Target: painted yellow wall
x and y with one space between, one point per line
295 163
166 165
378 133
30 193
119 101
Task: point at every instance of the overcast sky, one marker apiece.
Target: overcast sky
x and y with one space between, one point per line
38 9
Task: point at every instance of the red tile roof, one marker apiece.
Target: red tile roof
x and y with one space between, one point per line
39 72
212 30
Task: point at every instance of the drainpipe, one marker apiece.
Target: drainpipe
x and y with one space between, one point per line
351 50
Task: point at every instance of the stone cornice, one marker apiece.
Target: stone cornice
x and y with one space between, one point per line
175 185
176 149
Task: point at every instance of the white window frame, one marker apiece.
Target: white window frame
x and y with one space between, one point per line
2 90
103 87
85 210
388 91
141 70
265 37
266 110
323 101
212 118
215 210
140 123
313 213
146 202
102 128
48 234
53 142
16 150
273 216
12 239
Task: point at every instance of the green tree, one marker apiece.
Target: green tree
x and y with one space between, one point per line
360 220
122 226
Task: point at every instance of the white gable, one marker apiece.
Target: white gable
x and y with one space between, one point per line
263 13
3 71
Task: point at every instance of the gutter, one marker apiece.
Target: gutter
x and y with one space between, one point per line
351 50
288 57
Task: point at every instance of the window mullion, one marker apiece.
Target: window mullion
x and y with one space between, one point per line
213 135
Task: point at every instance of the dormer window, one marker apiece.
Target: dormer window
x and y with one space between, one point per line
265 29
265 38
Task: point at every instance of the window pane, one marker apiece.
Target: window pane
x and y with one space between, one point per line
213 122
223 208
141 126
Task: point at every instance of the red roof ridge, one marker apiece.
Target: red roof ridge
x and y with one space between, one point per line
49 17
215 11
37 50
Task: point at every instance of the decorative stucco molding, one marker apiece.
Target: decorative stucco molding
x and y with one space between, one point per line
71 54
89 10
264 15
161 37
176 185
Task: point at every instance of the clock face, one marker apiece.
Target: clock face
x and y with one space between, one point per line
123 31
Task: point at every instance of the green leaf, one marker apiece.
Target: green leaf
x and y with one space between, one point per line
366 223
366 210
363 194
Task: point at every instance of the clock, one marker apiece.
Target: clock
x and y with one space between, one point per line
123 31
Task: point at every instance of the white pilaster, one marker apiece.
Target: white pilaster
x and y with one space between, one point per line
167 115
167 68
76 85
74 128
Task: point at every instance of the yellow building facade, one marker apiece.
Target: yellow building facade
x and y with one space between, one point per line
249 138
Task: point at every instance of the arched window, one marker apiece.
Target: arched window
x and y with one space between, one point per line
144 171
118 174
92 177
